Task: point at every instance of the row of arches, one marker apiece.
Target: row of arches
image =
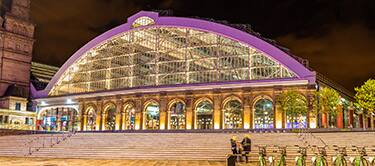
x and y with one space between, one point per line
176 115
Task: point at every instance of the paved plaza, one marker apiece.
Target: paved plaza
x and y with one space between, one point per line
20 161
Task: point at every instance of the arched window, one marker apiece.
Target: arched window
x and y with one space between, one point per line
91 119
177 112
152 116
294 119
129 117
204 115
110 122
263 114
233 115
143 21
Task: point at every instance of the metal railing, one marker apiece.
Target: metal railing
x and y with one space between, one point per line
46 140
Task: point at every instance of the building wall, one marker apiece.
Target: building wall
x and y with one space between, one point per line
247 98
16 44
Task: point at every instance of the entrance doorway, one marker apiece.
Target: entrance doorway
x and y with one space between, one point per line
204 122
204 115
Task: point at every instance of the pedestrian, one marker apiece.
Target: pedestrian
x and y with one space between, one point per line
234 146
246 145
233 143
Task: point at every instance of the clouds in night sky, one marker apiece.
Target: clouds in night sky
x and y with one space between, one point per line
336 36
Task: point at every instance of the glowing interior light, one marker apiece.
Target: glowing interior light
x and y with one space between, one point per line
43 103
69 101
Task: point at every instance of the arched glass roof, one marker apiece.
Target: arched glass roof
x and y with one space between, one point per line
148 54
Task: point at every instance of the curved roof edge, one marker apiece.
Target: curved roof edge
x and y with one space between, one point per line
220 29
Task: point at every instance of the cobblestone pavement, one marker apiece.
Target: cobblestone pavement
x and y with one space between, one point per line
19 161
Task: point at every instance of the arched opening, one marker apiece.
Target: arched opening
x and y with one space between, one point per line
233 114
91 119
297 119
152 116
177 115
204 115
59 119
110 120
263 114
129 117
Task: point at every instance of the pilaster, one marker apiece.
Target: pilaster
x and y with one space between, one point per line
118 114
99 107
246 111
218 112
189 112
138 114
163 117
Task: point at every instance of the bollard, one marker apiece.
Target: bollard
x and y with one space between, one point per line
231 160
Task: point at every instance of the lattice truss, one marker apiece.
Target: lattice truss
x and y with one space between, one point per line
154 56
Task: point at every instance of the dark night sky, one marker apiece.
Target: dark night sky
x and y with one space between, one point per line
336 36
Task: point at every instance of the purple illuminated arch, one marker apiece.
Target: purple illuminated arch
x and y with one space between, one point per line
301 71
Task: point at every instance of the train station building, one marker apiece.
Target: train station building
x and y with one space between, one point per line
169 73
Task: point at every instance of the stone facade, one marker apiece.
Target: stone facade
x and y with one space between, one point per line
190 99
16 44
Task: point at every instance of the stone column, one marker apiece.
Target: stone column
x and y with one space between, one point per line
72 118
118 114
340 118
324 120
361 121
189 113
163 121
99 107
246 111
123 118
58 118
351 118
218 112
251 103
279 119
138 114
84 122
309 116
104 120
80 113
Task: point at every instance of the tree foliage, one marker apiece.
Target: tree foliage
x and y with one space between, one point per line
327 100
365 96
293 103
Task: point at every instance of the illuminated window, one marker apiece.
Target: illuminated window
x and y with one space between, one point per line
18 106
233 115
177 112
152 116
143 21
204 115
263 114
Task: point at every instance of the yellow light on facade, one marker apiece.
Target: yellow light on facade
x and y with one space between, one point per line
162 125
246 125
188 124
217 126
312 123
279 123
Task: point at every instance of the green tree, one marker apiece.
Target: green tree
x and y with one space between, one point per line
327 100
293 104
365 96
